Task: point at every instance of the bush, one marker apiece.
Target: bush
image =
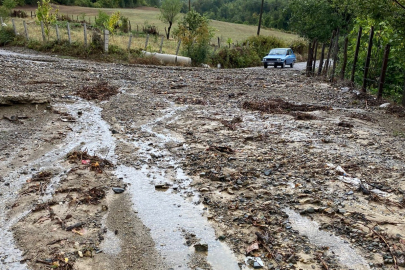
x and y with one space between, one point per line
262 44
238 57
7 35
299 46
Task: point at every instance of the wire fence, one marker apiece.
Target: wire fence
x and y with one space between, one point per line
367 63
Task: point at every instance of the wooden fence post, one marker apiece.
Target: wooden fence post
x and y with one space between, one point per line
15 29
106 36
329 52
43 32
343 71
335 52
161 44
178 47
57 33
129 42
146 42
26 31
309 60
356 55
367 66
383 71
403 93
31 14
322 59
1 22
68 29
314 52
85 34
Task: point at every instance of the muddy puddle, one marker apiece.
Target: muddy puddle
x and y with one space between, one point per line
337 246
90 131
171 213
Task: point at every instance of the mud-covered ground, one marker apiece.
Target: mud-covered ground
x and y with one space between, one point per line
253 163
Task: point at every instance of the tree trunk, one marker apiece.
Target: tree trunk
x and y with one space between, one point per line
168 30
260 18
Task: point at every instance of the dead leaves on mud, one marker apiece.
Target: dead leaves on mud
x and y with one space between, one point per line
100 91
280 106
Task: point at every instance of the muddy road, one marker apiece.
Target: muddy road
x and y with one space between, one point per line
110 166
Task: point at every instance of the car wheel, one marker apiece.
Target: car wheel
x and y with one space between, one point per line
292 64
265 65
283 65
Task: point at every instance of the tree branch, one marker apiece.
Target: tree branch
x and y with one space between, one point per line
399 4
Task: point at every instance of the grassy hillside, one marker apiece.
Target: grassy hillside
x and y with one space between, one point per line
139 16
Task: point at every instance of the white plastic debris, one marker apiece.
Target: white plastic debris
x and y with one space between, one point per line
385 105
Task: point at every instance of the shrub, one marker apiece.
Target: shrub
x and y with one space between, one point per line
238 57
299 46
262 44
7 35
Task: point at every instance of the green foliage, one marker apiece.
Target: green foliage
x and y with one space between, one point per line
261 45
113 22
384 34
317 19
6 8
102 19
6 35
195 34
238 57
45 15
276 13
168 13
299 46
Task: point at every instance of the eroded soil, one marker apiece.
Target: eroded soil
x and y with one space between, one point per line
273 161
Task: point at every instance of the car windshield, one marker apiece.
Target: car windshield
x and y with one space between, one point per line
278 51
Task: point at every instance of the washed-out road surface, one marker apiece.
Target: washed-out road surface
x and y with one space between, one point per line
114 166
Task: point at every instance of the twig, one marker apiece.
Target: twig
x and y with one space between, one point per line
388 246
56 241
323 262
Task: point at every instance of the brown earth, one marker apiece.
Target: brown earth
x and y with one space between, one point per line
255 142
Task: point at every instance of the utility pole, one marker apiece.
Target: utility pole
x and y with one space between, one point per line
260 18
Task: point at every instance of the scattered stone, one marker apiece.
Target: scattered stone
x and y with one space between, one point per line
118 190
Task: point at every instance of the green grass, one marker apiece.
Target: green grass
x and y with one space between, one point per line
139 16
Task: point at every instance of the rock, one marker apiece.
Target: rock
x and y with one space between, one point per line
118 190
10 99
201 247
267 172
350 192
80 254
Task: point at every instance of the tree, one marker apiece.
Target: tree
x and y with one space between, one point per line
6 8
195 34
169 11
44 15
317 19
